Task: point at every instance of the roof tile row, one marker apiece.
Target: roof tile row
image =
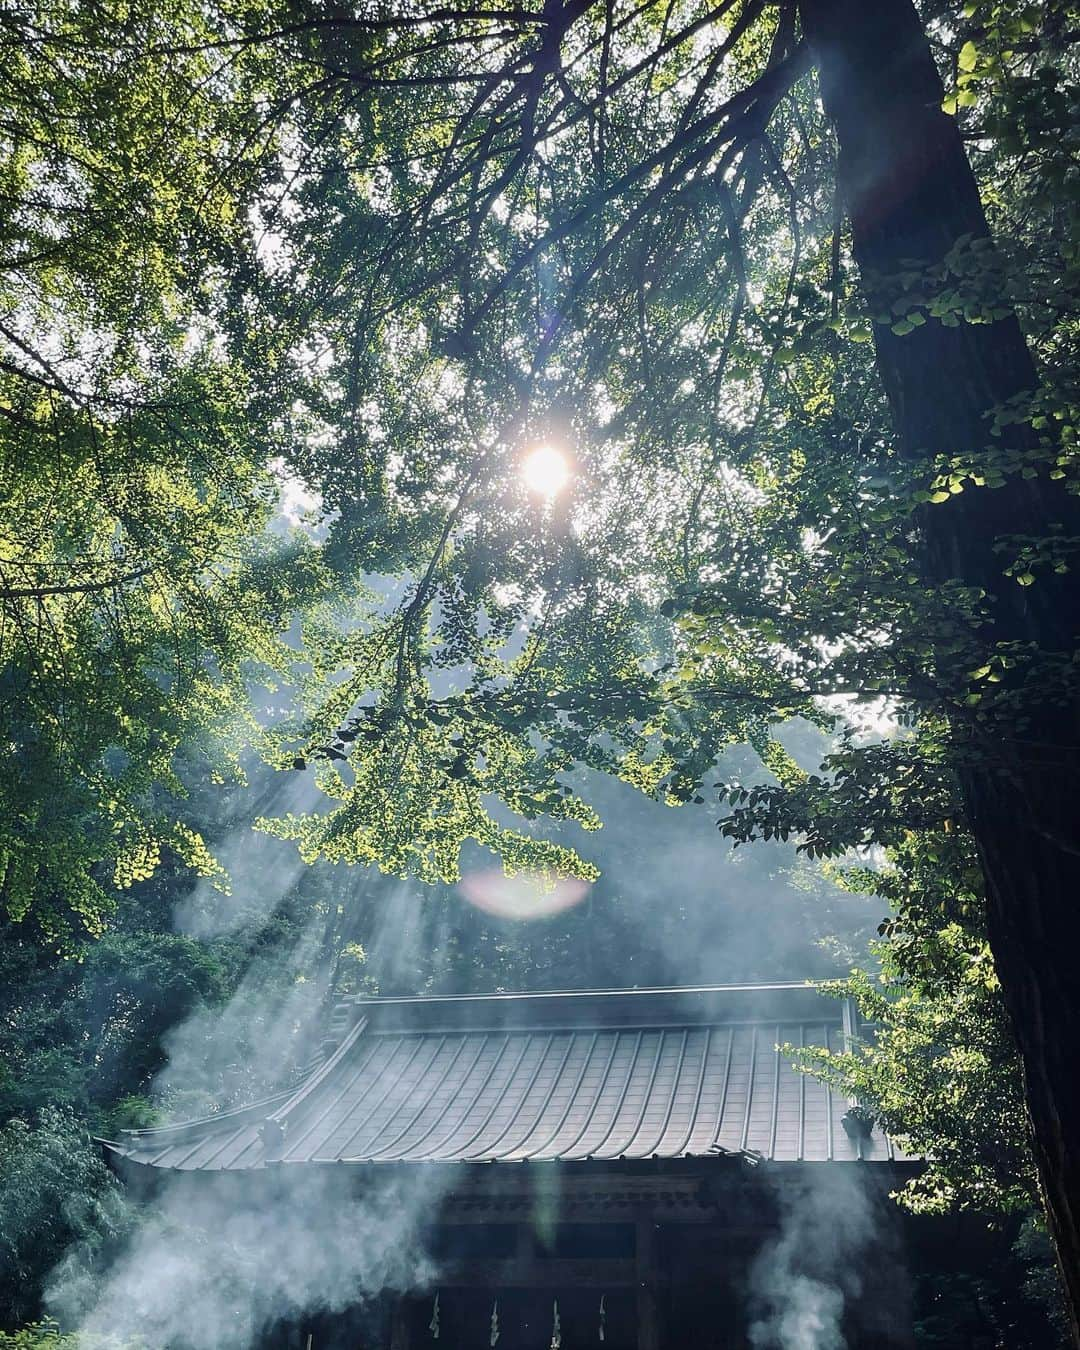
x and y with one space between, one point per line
666 1087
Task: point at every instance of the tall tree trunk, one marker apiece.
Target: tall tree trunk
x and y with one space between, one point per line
911 194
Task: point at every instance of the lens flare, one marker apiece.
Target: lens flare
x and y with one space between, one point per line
546 470
528 895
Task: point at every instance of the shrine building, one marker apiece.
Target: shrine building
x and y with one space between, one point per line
606 1166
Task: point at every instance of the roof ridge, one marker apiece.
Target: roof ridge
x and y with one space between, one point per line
507 996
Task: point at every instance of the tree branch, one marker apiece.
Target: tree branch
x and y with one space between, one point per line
72 587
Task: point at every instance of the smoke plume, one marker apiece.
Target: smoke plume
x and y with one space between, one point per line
214 1267
806 1284
214 1261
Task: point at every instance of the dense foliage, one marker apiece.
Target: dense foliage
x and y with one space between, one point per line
140 587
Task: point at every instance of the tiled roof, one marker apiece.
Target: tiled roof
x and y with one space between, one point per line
570 1077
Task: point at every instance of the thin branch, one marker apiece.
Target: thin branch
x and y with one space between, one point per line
73 587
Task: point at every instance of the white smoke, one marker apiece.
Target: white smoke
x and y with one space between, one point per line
261 870
214 1267
808 1281
809 1317
258 1042
215 1260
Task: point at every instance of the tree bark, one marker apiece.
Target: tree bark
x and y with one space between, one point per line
911 194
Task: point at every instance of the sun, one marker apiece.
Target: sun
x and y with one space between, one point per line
545 470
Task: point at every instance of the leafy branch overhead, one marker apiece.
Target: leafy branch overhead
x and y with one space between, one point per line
446 236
